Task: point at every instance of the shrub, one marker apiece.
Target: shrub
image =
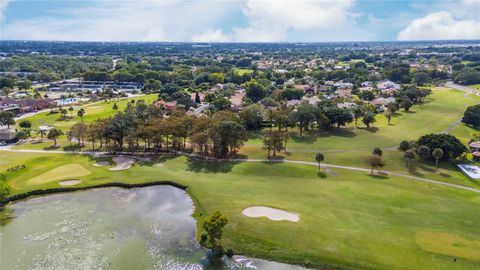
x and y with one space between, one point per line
452 147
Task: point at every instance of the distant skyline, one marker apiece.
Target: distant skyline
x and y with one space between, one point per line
239 21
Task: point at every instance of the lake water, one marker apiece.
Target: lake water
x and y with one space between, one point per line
108 228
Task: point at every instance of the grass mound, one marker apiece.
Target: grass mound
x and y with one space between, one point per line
62 172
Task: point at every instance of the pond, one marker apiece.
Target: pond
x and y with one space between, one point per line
108 228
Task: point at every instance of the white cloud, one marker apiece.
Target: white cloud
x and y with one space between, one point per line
211 35
440 26
3 8
167 20
284 20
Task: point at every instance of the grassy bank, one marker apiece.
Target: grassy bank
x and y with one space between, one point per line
346 218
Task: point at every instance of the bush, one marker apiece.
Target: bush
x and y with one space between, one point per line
471 116
452 147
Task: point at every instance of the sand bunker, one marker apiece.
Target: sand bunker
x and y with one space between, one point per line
123 163
70 182
270 213
101 163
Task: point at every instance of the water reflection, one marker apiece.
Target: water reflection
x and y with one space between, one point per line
110 228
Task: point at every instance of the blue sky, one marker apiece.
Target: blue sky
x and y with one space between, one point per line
239 20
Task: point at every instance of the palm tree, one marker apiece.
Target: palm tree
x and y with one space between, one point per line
437 154
53 134
409 156
319 157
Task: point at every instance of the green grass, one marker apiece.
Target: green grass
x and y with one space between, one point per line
475 86
93 111
347 219
351 145
241 71
67 171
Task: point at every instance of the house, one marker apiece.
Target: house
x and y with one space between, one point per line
311 100
170 106
346 105
293 103
345 93
307 89
21 106
7 135
388 87
343 85
475 150
381 103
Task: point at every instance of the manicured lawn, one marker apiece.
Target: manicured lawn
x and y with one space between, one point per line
351 145
475 86
65 171
347 219
92 112
241 71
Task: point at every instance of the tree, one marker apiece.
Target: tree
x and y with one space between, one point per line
221 104
255 91
25 124
53 134
213 231
409 156
304 116
319 157
368 119
388 114
292 93
471 116
79 131
23 134
252 116
392 107
437 154
81 113
423 152
375 161
377 151
274 140
358 112
451 146
7 119
338 116
404 145
24 85
115 106
42 133
70 109
227 137
197 98
406 104
6 91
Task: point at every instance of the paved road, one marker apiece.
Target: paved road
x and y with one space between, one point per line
324 165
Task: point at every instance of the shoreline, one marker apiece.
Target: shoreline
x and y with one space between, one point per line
40 192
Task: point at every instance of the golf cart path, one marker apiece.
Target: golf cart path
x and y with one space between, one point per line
324 165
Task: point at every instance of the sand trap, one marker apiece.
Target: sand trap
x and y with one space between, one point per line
123 163
101 163
70 182
270 213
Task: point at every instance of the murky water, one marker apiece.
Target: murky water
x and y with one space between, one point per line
109 228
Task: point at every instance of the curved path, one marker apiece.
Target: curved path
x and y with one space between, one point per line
324 165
